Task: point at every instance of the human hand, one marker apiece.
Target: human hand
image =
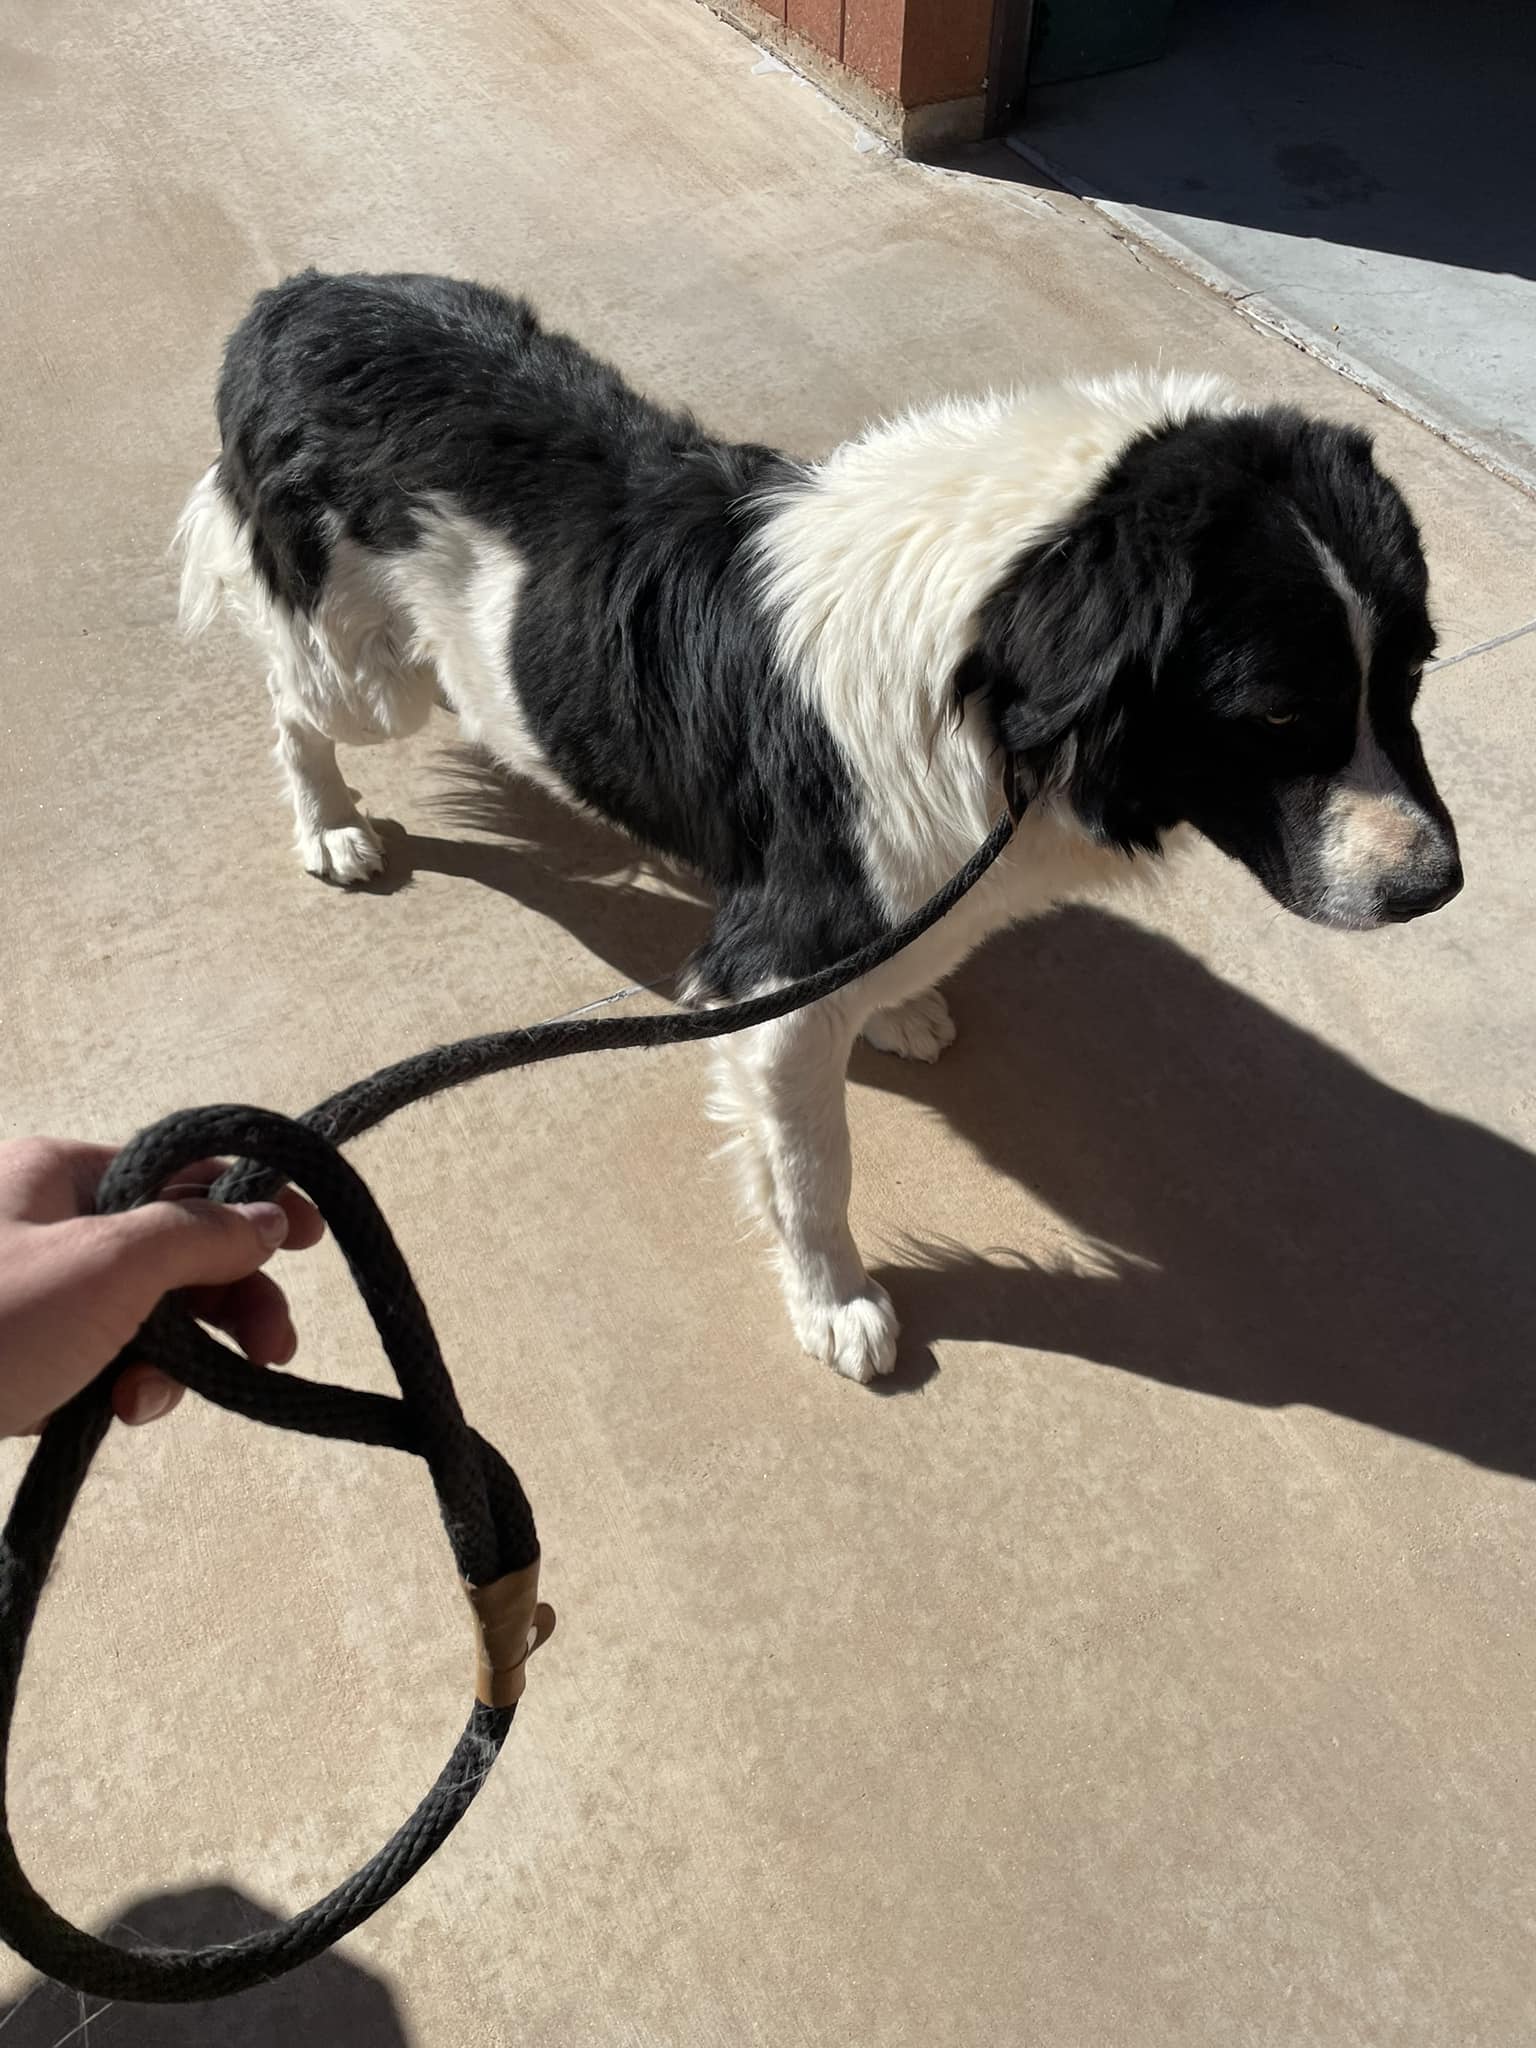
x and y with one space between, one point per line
74 1287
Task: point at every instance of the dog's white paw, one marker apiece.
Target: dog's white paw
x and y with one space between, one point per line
856 1338
347 853
917 1030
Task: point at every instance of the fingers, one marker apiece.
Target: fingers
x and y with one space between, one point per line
80 1284
211 1252
254 1312
143 1395
305 1227
54 1180
167 1245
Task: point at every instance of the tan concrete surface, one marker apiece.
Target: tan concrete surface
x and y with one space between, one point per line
1155 1667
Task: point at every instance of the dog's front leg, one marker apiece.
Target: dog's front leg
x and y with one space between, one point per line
784 1089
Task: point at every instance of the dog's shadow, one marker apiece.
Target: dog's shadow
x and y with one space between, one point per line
639 916
1275 1225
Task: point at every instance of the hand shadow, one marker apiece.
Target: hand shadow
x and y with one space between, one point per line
332 2001
1277 1226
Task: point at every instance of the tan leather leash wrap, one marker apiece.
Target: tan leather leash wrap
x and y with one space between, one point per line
511 1622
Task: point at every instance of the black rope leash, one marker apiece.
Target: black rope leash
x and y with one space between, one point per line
486 1515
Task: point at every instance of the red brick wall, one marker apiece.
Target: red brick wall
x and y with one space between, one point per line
944 50
919 52
819 21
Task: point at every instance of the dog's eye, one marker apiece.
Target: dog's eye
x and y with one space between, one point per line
1281 717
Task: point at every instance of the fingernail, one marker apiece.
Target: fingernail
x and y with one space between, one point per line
270 1220
151 1400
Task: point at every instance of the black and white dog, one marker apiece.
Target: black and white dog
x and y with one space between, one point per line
1172 609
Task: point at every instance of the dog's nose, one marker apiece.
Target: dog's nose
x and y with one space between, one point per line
1421 894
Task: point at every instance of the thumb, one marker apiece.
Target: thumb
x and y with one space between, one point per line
165 1245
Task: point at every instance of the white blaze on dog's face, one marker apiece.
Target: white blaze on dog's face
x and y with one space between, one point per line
1381 855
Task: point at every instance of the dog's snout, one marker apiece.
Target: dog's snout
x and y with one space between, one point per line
1382 859
1420 893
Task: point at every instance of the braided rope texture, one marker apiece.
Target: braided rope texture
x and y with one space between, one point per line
485 1513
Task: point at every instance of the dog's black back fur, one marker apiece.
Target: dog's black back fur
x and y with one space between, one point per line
644 663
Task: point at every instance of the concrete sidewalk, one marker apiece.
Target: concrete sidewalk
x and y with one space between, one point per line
1153 1670
1361 177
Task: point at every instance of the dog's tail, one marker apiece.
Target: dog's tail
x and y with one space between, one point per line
214 554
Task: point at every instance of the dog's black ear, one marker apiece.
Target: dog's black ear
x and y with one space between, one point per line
1066 661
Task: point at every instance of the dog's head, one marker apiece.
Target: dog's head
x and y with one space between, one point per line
1231 632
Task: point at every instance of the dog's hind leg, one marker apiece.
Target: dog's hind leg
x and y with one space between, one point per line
349 671
332 673
783 1088
335 841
